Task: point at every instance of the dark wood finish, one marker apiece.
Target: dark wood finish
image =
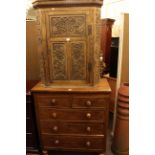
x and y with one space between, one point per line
84 101
44 152
54 100
76 143
76 120
106 35
120 144
66 127
32 144
71 114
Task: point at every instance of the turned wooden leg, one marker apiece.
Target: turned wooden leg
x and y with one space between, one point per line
45 152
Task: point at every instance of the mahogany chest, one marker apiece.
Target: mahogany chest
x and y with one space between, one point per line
72 118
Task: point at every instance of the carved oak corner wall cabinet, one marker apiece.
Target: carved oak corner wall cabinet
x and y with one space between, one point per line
69 40
71 102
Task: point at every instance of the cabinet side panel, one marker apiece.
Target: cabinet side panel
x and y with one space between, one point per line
97 47
40 48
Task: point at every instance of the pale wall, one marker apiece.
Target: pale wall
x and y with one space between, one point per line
113 9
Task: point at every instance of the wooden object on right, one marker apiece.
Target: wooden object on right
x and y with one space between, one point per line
120 144
106 35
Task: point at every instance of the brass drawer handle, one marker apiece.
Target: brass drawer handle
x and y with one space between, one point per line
88 144
56 142
88 103
54 114
88 115
88 128
55 128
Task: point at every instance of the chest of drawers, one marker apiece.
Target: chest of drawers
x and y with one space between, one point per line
72 118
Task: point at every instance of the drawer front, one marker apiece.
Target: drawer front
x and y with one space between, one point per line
90 101
72 114
58 101
74 142
57 127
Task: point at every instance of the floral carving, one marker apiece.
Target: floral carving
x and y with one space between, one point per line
78 67
59 61
68 25
97 47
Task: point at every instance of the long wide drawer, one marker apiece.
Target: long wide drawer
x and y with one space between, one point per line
72 114
60 127
73 142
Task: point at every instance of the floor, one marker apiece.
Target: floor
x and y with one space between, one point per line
108 149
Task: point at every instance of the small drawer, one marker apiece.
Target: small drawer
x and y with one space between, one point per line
74 142
72 114
58 101
59 127
90 101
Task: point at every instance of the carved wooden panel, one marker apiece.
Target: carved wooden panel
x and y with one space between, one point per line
72 36
97 49
59 61
40 48
67 26
78 61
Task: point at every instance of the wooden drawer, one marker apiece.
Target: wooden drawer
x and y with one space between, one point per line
59 127
90 101
74 142
51 100
72 114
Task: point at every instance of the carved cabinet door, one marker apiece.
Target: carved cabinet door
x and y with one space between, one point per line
67 37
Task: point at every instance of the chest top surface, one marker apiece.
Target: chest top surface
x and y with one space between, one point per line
101 87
